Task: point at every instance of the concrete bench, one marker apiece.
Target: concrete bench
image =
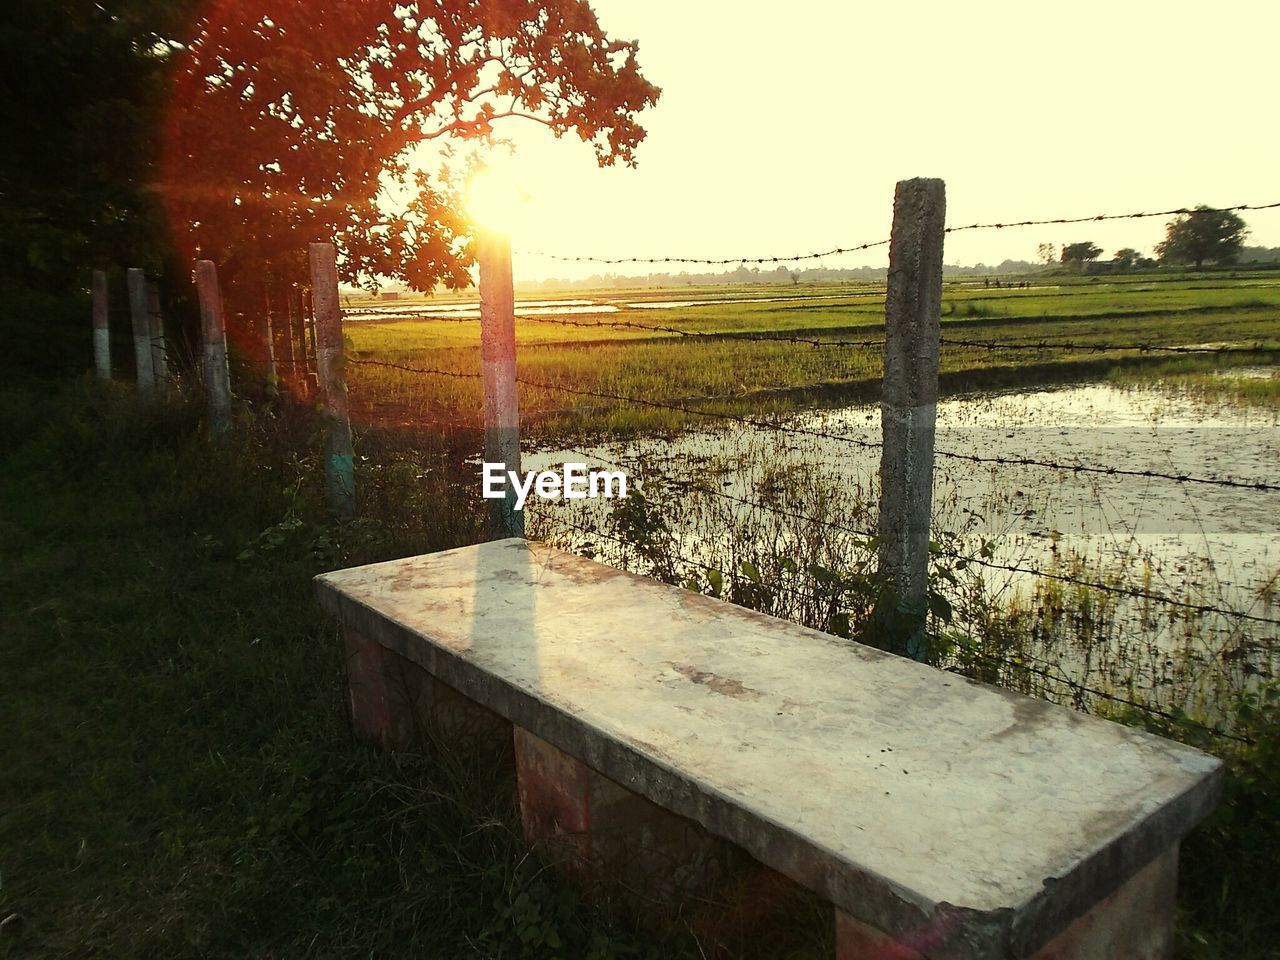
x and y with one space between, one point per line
940 817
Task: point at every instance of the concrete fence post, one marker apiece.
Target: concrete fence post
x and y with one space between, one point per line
908 408
294 379
101 327
498 370
143 364
339 476
155 326
309 319
217 373
269 344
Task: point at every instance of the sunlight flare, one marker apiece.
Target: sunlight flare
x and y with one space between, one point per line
497 199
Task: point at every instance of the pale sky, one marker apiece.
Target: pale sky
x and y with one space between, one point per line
782 128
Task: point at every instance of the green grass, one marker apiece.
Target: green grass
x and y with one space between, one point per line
742 364
1212 382
179 778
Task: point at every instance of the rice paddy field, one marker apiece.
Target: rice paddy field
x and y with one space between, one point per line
771 349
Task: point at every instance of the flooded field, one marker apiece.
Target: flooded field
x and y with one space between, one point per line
471 311
716 498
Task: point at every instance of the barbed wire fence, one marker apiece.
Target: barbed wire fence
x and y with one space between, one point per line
315 358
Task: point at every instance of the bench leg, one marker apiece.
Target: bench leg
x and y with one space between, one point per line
1134 923
396 704
602 833
368 692
856 940
555 802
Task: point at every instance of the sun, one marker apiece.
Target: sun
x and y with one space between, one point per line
497 199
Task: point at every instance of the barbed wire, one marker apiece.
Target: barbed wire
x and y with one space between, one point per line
1179 211
725 495
1150 595
1256 485
406 368
725 261
990 345
1022 662
734 577
760 337
709 414
1228 482
655 404
1200 608
946 454
1134 592
836 251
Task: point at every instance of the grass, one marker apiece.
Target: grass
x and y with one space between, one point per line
1257 387
179 778
738 361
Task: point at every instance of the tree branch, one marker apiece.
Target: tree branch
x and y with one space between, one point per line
459 124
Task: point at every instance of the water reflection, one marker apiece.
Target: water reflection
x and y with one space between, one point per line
1193 542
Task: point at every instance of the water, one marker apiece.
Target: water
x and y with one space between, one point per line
551 308
1198 543
672 304
471 311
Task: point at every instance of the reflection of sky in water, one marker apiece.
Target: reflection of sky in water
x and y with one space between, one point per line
549 308
471 311
672 304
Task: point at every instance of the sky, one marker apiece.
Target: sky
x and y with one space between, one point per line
782 128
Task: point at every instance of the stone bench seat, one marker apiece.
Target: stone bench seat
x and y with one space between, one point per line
942 818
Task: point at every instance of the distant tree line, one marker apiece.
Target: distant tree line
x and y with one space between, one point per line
1203 236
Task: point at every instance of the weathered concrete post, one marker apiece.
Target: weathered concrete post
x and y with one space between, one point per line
339 473
311 362
217 373
908 407
141 330
155 326
498 370
269 344
294 379
309 323
101 327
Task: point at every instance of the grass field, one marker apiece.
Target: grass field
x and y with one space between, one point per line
178 777
736 358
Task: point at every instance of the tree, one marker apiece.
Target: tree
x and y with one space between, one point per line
80 99
1125 258
1046 253
1080 253
82 91
1203 234
293 122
